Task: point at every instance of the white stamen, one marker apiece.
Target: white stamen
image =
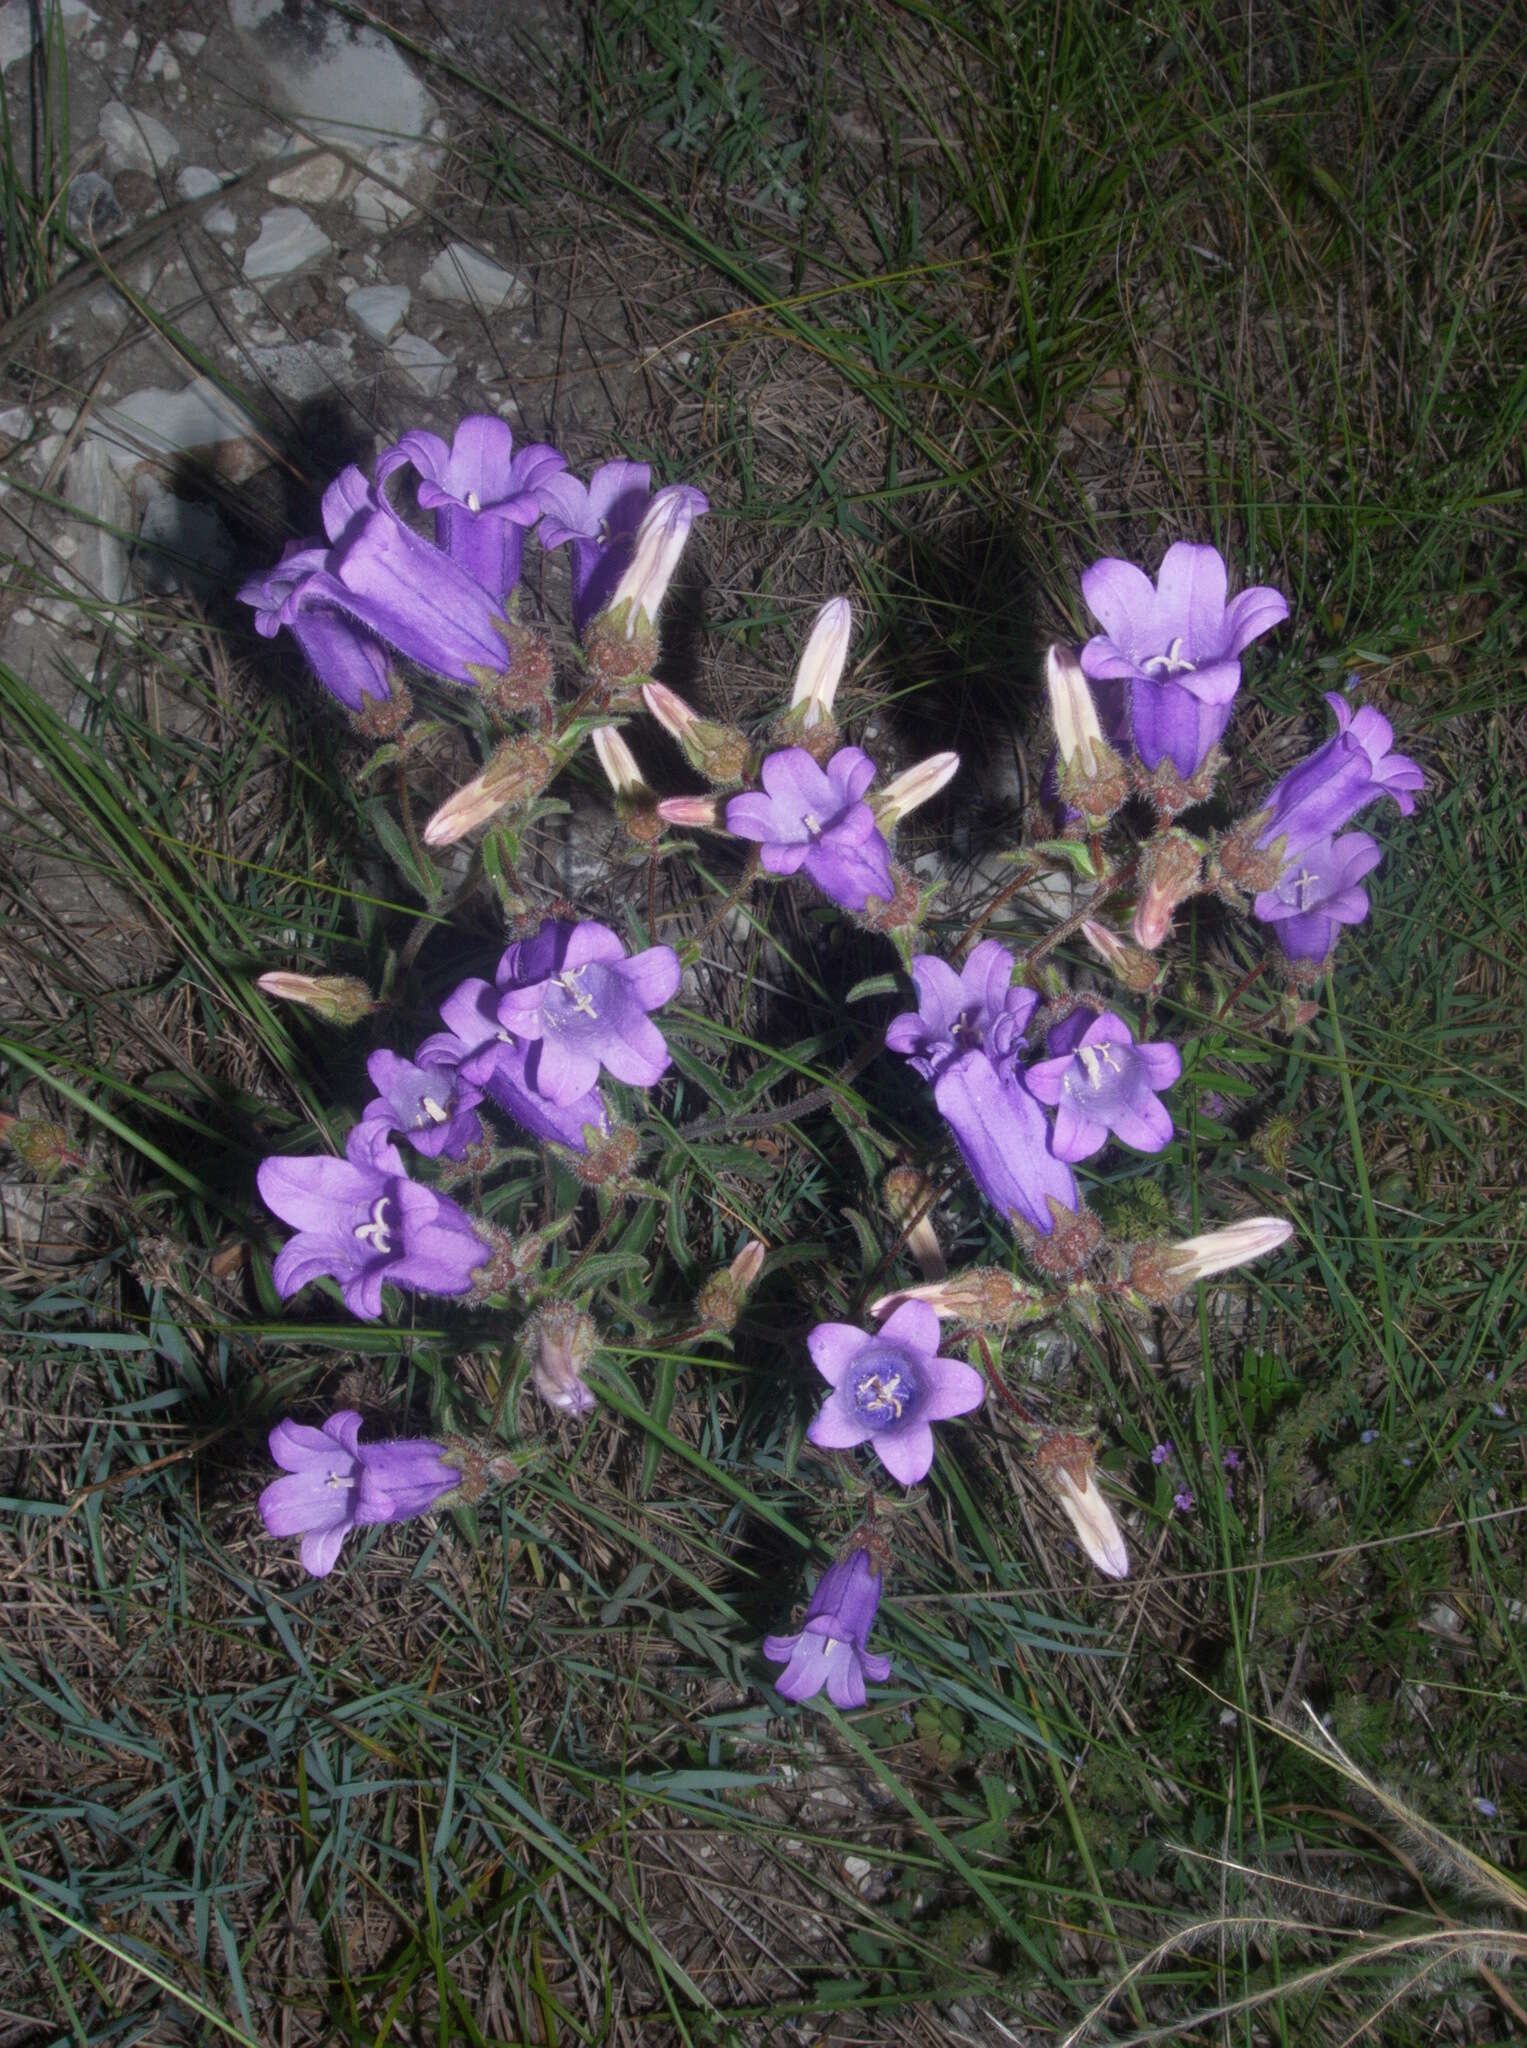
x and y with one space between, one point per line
571 986
432 1109
474 503
1169 664
1305 884
378 1232
1098 1061
812 823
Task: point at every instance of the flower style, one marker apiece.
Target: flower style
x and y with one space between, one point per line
1354 768
381 575
815 818
361 1221
1178 644
1317 893
598 520
484 496
335 1484
432 1106
581 1004
1100 1080
829 1648
487 1057
655 554
888 1388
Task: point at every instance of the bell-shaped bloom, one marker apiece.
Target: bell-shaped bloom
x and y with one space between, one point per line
489 1058
815 818
483 494
829 1649
1099 1080
821 663
580 1004
889 1388
361 1220
1354 768
1317 893
561 1342
433 1108
1004 1140
598 522
975 1010
1177 643
351 663
655 553
335 1483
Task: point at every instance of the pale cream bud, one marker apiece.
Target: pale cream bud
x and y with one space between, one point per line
1171 869
670 710
1078 734
619 764
659 543
821 663
562 1343
1068 1466
518 771
1162 1271
703 811
983 1295
912 787
338 998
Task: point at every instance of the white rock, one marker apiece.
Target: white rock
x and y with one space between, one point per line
195 181
62 417
162 64
320 178
345 84
401 176
154 425
270 142
462 277
189 41
287 240
244 303
15 423
92 486
220 222
378 310
134 141
93 210
422 365
19 23
300 370
107 308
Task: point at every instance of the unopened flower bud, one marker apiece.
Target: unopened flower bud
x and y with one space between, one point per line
1092 777
526 687
909 1196
513 1262
42 1147
914 786
902 914
719 1302
480 1467
1170 870
702 811
821 663
518 771
1138 971
984 1296
719 752
654 556
1161 1271
337 998
1068 1466
562 1340
635 800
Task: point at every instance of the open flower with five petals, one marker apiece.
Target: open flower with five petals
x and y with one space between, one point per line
580 1004
829 1650
432 1106
889 1387
1100 1080
1317 893
334 1483
484 494
597 521
815 818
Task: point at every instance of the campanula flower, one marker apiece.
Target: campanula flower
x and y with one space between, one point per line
1317 893
829 1649
484 496
1099 1080
598 521
888 1388
335 1483
432 1106
975 1010
361 1221
1354 768
815 818
489 1058
349 662
1177 645
821 663
580 1004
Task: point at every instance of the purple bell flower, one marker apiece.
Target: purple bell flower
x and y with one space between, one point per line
487 1057
1317 893
484 496
889 1388
1354 768
829 1648
580 1004
598 520
432 1106
361 1221
815 818
1178 644
350 663
975 1010
1099 1081
335 1483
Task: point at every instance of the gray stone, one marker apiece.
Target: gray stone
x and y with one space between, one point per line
162 64
462 277
220 222
93 208
16 423
197 182
422 365
378 310
92 487
300 370
344 84
19 23
288 239
189 41
154 426
321 177
184 546
402 174
134 141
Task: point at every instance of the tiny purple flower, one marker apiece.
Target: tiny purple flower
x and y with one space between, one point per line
1231 1460
1102 1081
829 1648
1354 768
487 1057
432 1106
484 496
599 520
1183 1502
1161 1452
335 1484
1317 893
889 1387
361 1220
1486 1808
580 1004
815 818
1178 644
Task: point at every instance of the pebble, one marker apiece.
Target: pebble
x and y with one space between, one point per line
378 310
460 276
422 365
327 71
320 178
195 181
287 240
151 425
93 210
134 141
20 21
92 487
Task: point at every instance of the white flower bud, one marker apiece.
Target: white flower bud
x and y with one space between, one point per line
619 763
659 543
821 663
912 787
1077 731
